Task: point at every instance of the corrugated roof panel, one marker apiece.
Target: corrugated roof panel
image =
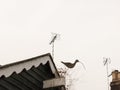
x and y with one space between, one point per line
31 79
3 88
8 85
28 74
24 81
17 83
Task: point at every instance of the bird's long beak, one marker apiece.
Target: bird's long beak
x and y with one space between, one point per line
82 65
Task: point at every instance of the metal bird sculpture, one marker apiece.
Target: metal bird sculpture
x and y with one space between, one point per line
72 65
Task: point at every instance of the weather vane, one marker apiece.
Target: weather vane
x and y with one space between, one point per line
72 65
54 37
67 75
106 62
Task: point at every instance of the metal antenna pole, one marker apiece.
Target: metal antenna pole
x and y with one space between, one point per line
107 74
53 50
106 62
55 36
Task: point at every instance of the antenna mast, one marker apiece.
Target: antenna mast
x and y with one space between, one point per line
106 62
55 36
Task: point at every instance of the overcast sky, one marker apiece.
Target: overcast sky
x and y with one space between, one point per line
89 30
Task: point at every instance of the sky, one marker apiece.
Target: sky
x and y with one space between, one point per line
89 30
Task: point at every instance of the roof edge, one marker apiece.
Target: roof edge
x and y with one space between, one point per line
17 67
25 60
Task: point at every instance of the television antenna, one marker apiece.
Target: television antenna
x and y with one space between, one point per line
54 38
107 61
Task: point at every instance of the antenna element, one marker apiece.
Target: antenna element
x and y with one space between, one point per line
106 62
55 36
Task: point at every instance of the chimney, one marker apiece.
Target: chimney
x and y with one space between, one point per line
115 75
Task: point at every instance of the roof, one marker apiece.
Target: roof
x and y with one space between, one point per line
28 74
8 69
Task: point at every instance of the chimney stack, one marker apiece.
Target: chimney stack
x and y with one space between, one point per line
115 75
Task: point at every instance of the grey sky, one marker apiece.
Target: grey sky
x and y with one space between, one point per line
89 29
